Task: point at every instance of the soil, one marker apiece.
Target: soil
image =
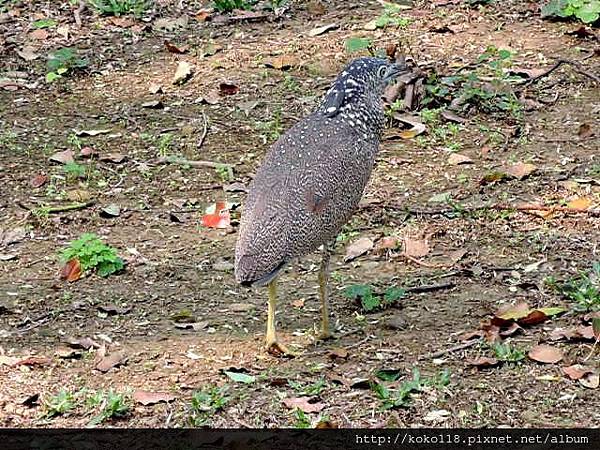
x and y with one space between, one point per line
177 269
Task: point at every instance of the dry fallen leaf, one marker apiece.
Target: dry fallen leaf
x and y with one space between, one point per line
456 158
387 243
151 398
416 248
177 49
581 203
338 352
520 170
576 371
183 73
226 88
303 404
40 35
282 62
64 157
71 271
483 361
585 131
113 360
322 30
545 354
590 380
28 53
39 180
417 126
358 248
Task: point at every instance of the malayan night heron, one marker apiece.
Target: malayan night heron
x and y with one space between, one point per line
311 181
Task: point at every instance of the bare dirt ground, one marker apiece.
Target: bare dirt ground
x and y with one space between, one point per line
478 260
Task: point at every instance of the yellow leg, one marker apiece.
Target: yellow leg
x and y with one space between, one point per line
324 294
272 345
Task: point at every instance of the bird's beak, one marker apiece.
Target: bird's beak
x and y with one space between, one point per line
395 70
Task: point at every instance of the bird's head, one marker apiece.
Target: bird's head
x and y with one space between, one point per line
360 84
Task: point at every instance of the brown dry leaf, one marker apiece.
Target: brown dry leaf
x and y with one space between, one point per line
79 195
151 398
316 8
576 371
358 248
28 53
33 361
203 15
64 157
298 303
113 360
581 203
585 131
482 362
456 158
590 380
67 353
322 30
533 318
545 354
226 88
520 170
582 332
416 248
183 73
417 126
122 22
87 152
303 404
326 424
40 35
177 49
512 329
39 180
387 243
116 158
338 352
71 271
282 62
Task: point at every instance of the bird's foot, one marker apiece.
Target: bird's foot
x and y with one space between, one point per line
277 349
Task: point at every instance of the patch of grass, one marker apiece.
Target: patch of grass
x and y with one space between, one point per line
594 170
8 141
391 17
93 254
400 397
121 7
584 289
230 5
45 23
301 420
309 389
505 352
358 44
205 403
74 171
59 404
164 144
225 173
113 405
370 301
271 130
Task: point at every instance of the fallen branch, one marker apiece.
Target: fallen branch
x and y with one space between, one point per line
71 207
450 350
192 163
576 66
430 288
502 207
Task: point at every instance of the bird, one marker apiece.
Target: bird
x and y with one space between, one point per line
310 182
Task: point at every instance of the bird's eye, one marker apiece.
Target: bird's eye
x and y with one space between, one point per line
382 71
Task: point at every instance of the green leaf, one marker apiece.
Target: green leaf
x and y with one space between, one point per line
393 294
240 377
589 13
51 76
357 44
388 374
45 23
358 291
370 302
552 311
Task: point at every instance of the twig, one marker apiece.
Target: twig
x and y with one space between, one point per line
424 264
450 350
204 132
503 207
576 66
191 163
77 13
71 207
430 288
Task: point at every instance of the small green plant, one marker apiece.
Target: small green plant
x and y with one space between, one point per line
74 171
370 301
205 403
93 254
271 130
59 404
62 61
45 23
121 7
225 172
301 420
311 389
584 289
588 11
391 17
401 396
358 44
230 5
505 352
113 405
165 143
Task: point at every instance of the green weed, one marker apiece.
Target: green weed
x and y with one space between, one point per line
505 352
112 405
588 11
370 301
121 7
584 289
205 403
309 389
59 404
62 61
93 254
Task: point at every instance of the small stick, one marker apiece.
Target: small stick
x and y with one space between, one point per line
430 288
71 207
204 132
450 350
576 66
191 163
